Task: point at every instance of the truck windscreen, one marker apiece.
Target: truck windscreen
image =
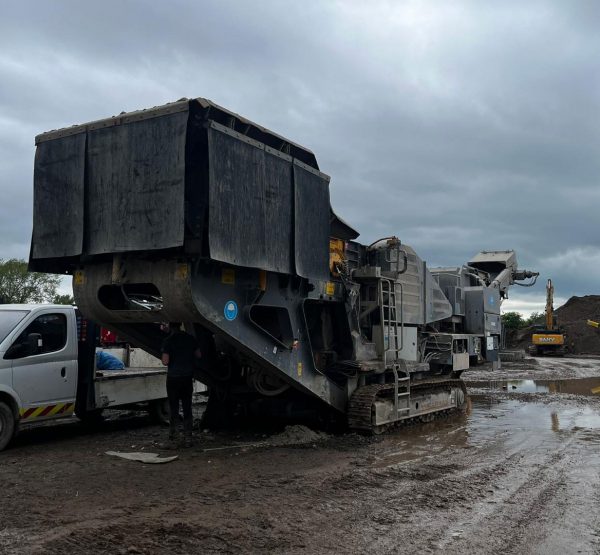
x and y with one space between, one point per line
8 320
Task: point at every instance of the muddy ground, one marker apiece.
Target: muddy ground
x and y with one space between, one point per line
518 473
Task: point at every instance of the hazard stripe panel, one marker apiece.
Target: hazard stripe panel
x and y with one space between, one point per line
47 410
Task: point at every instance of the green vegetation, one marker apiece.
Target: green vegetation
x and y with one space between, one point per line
515 320
17 285
536 319
63 299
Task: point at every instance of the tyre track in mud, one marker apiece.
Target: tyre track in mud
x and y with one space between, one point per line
526 513
508 520
506 500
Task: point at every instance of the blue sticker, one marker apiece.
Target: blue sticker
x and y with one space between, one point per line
491 300
230 311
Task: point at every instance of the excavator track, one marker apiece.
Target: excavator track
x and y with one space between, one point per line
361 405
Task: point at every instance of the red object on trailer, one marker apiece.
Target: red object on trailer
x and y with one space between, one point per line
107 336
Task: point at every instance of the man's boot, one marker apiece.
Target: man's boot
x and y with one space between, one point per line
169 445
172 442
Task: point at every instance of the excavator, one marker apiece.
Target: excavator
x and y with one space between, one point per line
548 339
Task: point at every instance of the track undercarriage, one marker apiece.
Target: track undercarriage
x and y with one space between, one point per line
371 408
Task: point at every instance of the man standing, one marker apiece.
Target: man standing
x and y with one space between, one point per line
179 353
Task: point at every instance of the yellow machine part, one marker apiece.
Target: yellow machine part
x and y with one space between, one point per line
336 254
548 339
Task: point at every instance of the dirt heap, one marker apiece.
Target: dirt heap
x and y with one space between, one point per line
518 339
296 435
572 318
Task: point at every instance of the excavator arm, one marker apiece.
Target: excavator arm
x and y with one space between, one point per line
549 305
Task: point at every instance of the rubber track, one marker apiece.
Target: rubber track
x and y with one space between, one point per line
361 403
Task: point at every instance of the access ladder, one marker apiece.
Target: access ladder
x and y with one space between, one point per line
392 339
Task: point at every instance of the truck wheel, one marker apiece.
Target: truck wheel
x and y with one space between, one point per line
7 425
159 411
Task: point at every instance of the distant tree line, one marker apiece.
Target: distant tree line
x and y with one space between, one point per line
515 320
18 286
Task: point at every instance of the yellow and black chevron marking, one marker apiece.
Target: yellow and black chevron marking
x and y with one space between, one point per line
47 410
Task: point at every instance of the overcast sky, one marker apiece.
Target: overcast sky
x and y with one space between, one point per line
457 126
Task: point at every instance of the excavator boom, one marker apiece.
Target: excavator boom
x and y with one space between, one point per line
549 306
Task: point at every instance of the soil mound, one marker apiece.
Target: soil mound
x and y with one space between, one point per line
572 318
580 308
519 339
573 315
296 435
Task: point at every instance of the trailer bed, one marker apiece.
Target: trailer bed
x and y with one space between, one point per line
126 373
129 386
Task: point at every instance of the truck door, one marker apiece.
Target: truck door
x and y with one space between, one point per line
45 379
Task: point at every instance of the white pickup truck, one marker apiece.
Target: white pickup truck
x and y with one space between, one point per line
48 371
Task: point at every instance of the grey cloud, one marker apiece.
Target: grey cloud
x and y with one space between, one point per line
457 126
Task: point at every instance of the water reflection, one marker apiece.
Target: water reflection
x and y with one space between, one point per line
555 426
574 386
489 422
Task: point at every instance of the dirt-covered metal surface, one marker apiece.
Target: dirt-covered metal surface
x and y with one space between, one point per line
518 473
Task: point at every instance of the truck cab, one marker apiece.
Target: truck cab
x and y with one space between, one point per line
38 360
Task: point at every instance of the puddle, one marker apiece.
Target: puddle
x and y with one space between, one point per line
575 386
491 423
514 417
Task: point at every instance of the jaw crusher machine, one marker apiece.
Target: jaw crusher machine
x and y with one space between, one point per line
191 213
